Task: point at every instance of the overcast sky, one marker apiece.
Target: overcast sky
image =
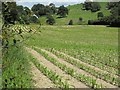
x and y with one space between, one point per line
30 3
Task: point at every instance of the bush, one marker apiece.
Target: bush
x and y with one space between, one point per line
90 22
50 20
62 11
34 19
80 18
100 14
70 22
93 6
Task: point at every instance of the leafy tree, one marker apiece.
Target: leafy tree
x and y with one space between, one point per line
100 14
9 17
53 8
70 22
115 10
62 11
48 10
87 5
38 9
26 19
34 19
50 20
112 20
10 14
93 6
27 10
112 4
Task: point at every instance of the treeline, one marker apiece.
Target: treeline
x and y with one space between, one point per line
93 6
48 11
112 20
24 15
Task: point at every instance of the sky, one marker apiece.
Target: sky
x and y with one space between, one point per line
30 3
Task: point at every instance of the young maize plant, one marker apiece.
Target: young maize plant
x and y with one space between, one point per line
70 71
56 79
105 76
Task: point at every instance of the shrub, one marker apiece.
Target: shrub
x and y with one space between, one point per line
70 22
50 20
34 19
80 18
100 14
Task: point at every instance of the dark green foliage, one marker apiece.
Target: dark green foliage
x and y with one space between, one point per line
115 10
90 22
24 14
53 8
62 11
70 22
100 14
112 20
50 20
112 4
80 18
27 10
34 19
20 9
93 6
40 9
87 6
26 20
9 11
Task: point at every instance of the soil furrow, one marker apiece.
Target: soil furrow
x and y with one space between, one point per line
100 81
40 80
66 78
95 68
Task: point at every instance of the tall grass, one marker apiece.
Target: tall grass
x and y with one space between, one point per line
16 69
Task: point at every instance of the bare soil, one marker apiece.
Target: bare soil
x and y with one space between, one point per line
65 77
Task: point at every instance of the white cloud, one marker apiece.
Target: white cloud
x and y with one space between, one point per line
50 0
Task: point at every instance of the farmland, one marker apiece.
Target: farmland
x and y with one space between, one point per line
41 50
93 51
79 56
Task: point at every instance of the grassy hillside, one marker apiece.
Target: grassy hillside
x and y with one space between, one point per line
75 11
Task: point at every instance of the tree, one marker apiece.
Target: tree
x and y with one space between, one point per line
34 19
27 10
100 14
62 11
50 20
53 8
39 9
93 6
112 4
70 22
87 5
24 14
9 11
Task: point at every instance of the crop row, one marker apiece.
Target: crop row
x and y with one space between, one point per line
81 77
102 75
56 79
110 60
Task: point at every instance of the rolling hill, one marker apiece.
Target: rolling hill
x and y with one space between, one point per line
75 11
